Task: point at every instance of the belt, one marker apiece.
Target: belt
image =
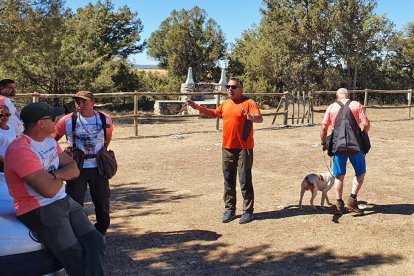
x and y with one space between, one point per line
90 156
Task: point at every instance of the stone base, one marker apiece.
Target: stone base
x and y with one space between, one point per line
170 107
209 105
177 107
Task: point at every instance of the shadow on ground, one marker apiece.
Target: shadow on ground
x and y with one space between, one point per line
132 196
199 252
292 211
370 209
389 209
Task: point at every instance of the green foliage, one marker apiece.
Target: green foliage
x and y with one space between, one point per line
117 76
302 45
188 39
47 48
160 83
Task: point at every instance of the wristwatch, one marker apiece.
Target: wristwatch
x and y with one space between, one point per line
54 175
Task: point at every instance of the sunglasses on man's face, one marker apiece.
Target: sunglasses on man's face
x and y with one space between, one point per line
2 115
232 86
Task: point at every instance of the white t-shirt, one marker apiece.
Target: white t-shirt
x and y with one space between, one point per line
89 134
15 115
6 137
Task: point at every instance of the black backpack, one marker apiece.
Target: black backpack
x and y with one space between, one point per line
347 137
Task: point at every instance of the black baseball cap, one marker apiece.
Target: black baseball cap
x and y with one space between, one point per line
33 112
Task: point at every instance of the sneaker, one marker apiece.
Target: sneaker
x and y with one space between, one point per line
246 218
228 216
352 204
340 206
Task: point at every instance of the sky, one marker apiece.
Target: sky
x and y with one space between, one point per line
233 16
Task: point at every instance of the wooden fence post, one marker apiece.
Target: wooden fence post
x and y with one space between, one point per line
277 109
35 97
366 98
304 106
285 120
217 105
409 95
310 107
298 104
292 96
135 113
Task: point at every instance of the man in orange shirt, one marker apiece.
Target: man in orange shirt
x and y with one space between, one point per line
238 114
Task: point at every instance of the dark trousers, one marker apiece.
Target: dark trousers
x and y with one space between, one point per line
241 161
67 232
100 193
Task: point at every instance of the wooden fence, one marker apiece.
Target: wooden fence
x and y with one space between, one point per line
299 105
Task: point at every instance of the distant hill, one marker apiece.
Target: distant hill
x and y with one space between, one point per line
146 66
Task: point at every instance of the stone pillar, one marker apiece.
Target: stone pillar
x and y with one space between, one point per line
222 84
188 86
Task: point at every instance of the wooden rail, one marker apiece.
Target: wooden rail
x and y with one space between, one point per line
301 103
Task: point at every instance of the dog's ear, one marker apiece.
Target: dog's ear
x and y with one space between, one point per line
321 178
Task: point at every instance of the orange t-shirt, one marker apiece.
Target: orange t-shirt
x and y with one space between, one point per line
237 130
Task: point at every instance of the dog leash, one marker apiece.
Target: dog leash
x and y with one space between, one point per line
326 164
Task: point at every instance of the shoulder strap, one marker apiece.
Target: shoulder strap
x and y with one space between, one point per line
351 115
74 119
340 103
103 121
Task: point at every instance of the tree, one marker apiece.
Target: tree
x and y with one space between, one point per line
32 34
47 48
188 39
302 45
290 47
360 36
98 35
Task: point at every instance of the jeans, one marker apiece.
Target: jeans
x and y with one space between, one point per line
241 161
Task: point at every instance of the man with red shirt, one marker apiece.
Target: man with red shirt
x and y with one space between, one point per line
35 171
238 114
339 161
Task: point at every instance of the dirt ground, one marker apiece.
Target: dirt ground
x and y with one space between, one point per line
167 204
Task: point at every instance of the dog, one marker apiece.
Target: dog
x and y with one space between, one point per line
314 182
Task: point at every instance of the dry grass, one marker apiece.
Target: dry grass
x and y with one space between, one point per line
167 204
161 72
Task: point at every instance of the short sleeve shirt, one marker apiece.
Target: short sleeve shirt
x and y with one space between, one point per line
237 130
6 137
89 134
25 156
15 115
333 109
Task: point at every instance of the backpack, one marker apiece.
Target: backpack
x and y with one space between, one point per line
347 137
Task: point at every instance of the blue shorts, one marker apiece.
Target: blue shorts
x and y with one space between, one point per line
357 161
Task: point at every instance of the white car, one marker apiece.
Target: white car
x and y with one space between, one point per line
20 252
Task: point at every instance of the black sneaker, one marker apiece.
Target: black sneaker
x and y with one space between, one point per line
228 216
246 218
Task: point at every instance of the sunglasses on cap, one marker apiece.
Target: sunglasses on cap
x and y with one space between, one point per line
233 86
5 115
